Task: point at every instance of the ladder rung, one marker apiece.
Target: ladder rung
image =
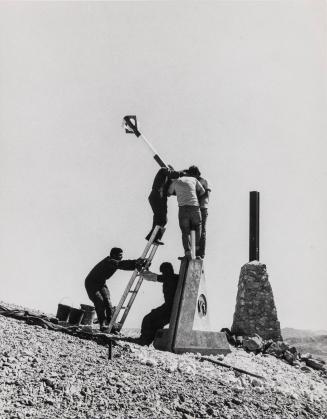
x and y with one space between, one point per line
135 274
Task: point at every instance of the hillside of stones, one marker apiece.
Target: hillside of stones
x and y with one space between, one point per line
291 333
313 342
49 374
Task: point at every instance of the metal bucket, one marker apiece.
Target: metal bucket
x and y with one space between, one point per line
75 316
63 312
89 314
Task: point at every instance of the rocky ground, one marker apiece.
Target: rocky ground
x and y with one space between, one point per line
48 374
316 345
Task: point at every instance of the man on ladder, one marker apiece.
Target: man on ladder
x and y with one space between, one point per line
158 199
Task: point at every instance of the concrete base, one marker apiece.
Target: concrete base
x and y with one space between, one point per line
162 340
189 328
205 343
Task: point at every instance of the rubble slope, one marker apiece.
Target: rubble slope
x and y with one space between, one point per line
48 374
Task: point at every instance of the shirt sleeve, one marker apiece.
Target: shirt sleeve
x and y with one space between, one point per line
126 265
160 278
149 276
206 184
113 263
171 188
199 188
173 174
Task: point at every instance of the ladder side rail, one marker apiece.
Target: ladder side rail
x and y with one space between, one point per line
130 303
136 289
151 256
122 299
151 240
132 279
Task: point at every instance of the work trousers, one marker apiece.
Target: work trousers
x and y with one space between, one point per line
155 320
190 219
159 207
102 303
202 244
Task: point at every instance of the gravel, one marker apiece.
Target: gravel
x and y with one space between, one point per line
48 374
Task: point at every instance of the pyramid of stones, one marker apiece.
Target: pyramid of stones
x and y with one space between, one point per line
255 311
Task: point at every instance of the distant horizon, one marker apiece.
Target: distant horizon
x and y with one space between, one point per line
139 328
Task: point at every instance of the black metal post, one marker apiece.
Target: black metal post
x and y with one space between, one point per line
254 226
110 350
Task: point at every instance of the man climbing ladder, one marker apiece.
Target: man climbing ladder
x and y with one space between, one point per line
158 198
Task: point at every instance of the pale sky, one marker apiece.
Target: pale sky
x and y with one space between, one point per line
238 88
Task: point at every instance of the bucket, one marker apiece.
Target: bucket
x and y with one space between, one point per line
89 314
75 316
63 312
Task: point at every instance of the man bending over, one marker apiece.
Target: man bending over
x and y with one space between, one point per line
95 283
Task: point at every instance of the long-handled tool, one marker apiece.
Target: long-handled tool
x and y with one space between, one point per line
130 125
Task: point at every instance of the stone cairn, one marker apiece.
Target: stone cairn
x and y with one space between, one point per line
255 311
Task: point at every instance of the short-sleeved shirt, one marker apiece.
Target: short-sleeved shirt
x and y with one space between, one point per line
187 189
204 200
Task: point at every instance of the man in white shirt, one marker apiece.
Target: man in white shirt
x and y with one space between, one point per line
187 189
204 202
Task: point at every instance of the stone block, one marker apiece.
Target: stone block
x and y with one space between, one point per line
253 343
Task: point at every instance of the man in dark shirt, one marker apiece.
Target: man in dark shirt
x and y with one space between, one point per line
159 316
158 198
95 282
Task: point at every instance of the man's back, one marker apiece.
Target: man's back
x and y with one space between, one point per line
186 189
169 287
102 271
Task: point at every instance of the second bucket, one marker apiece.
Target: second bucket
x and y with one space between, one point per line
63 312
89 314
75 316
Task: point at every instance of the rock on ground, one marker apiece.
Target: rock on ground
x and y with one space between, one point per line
48 375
